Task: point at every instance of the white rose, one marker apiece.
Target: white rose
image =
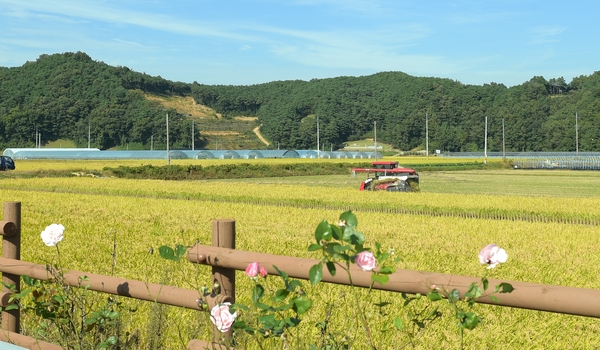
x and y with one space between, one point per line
53 234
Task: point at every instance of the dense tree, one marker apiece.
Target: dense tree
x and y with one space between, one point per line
63 95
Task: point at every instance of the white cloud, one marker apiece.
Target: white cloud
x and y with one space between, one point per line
546 34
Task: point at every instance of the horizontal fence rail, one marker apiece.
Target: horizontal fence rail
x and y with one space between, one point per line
26 342
159 293
532 296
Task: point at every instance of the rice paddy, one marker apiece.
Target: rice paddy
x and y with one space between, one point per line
279 215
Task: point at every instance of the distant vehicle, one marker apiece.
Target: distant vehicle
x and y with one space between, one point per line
388 176
6 163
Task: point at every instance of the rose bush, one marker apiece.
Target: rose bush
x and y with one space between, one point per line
366 261
221 317
53 234
263 272
492 255
252 269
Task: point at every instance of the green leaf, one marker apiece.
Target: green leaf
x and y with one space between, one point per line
292 321
22 294
30 281
504 288
90 321
330 248
331 268
293 285
262 306
112 340
336 232
301 304
387 270
494 299
283 307
257 293
323 231
236 306
180 251
11 307
398 323
470 320
381 279
340 249
349 218
474 292
281 273
313 247
353 237
484 282
315 274
280 295
167 253
454 296
434 295
268 320
239 324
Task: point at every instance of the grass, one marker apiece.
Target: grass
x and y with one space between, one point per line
148 213
28 165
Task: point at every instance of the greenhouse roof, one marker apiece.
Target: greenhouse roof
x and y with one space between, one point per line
94 153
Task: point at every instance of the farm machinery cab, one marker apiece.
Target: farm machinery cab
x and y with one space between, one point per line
388 176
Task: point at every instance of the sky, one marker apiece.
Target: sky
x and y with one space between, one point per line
245 42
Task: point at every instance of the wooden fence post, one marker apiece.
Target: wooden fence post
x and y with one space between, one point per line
223 235
11 249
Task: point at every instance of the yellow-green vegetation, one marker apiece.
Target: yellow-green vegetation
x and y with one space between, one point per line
184 105
28 165
60 143
279 216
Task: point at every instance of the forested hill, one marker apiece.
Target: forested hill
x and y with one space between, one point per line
67 95
62 94
539 115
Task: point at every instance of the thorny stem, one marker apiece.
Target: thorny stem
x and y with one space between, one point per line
359 310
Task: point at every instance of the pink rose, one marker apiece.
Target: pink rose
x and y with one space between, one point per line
492 255
365 260
221 317
263 272
252 269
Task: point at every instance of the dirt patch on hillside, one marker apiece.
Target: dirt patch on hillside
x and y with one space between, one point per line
185 105
219 133
246 119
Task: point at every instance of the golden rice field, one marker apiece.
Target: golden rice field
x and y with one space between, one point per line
279 215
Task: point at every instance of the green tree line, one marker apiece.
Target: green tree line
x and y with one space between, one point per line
70 96
538 115
62 95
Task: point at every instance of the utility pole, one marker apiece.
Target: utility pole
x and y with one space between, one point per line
89 134
503 144
151 142
375 137
485 144
192 135
168 151
427 134
318 142
576 136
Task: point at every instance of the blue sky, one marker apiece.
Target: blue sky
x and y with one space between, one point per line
257 41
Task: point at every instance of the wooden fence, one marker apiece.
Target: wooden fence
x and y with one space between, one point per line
225 260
